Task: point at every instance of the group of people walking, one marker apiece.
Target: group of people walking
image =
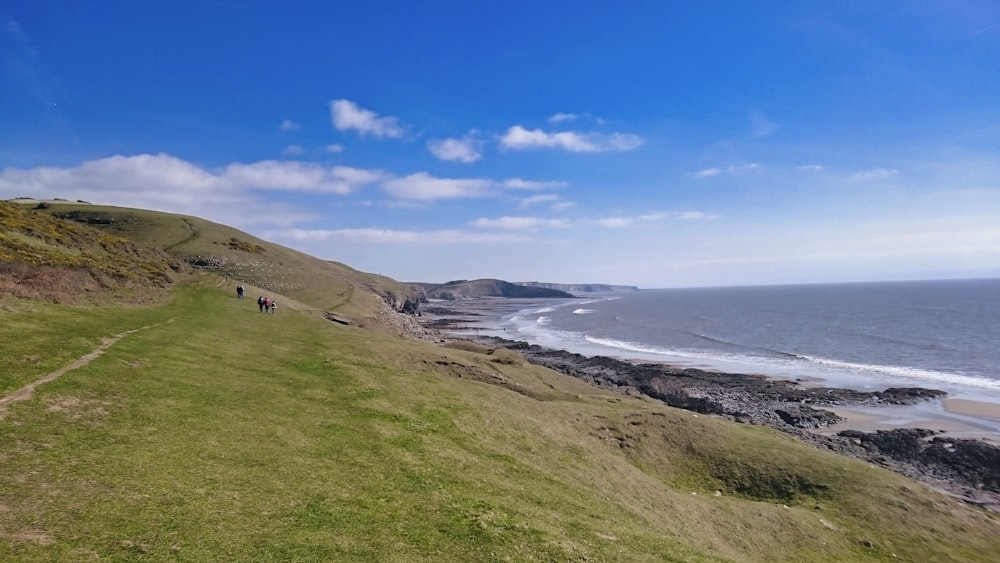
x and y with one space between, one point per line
267 305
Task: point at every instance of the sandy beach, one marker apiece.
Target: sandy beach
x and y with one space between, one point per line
957 418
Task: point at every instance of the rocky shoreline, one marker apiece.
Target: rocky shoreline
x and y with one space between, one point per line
967 469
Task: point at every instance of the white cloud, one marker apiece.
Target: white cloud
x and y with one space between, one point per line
335 148
346 115
466 149
564 117
709 172
299 176
696 215
289 125
760 125
811 168
166 183
874 175
560 117
615 222
423 186
536 199
562 205
150 179
520 184
293 150
517 137
375 236
519 223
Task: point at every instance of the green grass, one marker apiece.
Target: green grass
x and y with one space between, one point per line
218 433
269 267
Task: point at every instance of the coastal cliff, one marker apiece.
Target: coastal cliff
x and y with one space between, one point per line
471 289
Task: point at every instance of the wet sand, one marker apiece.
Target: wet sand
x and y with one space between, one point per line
957 418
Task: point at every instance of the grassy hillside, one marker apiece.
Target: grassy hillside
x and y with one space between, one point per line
213 432
196 428
45 258
267 267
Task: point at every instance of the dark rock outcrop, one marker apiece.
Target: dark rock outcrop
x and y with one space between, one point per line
968 469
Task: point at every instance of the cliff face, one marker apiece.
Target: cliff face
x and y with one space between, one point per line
580 287
466 289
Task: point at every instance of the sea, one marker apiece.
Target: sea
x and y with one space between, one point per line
868 336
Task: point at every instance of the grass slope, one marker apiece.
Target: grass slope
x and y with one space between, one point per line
216 433
47 258
268 267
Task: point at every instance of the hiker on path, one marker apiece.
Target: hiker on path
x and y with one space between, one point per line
267 304
274 306
239 291
260 303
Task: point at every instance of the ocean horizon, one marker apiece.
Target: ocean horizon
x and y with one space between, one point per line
942 334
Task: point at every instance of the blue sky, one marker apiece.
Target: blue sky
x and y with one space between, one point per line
659 144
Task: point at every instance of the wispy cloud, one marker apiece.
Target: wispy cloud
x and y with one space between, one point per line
467 149
519 138
987 29
615 222
561 117
293 150
564 117
289 125
299 176
521 184
347 115
538 199
760 125
21 55
169 182
811 168
874 175
423 186
376 236
646 220
166 183
696 216
519 223
707 173
334 148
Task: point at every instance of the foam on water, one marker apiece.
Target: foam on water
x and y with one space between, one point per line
923 375
864 336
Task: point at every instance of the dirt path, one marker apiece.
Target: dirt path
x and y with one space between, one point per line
193 234
25 393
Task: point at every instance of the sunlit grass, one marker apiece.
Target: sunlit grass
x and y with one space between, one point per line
218 433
